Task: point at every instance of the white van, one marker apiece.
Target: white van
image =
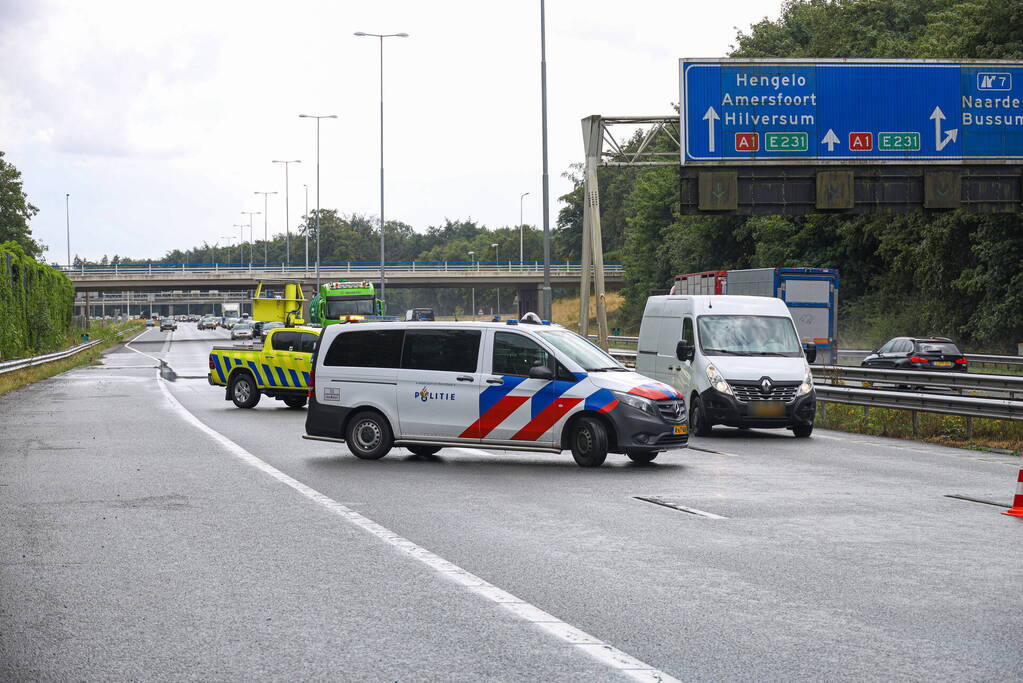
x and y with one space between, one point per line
735 359
511 386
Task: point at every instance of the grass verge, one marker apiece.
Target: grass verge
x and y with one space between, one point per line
109 334
948 430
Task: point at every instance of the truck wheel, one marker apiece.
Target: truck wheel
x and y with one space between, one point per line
423 451
296 401
641 457
589 442
802 431
244 391
698 418
369 436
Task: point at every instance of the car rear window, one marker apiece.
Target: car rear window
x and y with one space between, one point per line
947 348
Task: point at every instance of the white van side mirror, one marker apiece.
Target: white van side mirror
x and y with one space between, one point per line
684 351
810 349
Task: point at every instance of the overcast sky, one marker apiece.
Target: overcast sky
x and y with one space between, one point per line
161 119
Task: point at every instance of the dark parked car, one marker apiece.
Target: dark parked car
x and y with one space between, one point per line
918 353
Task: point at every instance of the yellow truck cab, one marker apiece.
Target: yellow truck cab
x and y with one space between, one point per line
280 369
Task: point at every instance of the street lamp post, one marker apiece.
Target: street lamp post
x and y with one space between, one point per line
228 238
266 213
521 251
306 220
252 242
381 36
241 241
546 305
311 116
472 262
497 260
287 208
67 218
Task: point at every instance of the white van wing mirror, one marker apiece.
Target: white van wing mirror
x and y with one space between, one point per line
810 349
684 351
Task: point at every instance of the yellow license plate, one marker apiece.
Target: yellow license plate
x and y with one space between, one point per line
681 429
767 409
943 363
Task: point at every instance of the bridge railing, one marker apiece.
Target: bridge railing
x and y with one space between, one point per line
354 268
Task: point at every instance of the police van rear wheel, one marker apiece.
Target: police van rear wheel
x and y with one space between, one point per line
423 451
369 436
295 401
641 457
589 442
244 392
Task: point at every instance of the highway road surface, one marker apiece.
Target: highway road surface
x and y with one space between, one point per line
149 529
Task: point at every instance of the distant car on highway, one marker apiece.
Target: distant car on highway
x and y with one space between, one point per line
168 324
150 322
242 331
938 354
265 327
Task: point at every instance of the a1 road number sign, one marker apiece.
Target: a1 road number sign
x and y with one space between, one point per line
861 142
747 142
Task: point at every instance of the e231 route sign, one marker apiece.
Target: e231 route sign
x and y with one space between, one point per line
791 111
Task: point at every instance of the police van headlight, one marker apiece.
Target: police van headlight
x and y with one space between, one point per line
717 380
807 386
637 402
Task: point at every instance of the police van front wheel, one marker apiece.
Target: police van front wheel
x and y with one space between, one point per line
369 436
589 442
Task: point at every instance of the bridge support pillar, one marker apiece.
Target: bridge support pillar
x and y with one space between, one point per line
530 300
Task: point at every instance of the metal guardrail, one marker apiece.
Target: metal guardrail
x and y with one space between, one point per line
20 363
830 382
352 267
961 381
969 406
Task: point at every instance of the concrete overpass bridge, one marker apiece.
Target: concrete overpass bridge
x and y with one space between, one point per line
168 287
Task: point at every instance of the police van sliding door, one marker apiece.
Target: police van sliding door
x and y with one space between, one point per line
439 384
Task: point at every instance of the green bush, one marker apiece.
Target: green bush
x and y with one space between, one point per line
35 305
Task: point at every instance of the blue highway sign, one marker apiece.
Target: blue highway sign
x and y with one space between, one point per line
740 111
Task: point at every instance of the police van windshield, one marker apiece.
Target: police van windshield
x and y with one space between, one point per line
341 306
748 335
588 355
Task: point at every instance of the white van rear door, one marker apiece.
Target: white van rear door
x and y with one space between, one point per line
439 384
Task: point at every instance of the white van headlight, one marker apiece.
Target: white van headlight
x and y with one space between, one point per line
637 402
807 386
717 380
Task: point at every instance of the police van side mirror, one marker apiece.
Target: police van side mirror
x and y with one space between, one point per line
810 349
541 372
684 351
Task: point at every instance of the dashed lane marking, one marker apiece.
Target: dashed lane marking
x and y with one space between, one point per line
566 633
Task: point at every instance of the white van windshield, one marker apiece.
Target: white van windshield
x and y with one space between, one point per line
589 356
748 335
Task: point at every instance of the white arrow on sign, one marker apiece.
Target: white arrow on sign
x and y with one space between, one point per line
950 135
710 117
831 140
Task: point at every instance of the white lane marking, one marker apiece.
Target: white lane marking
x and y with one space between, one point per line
669 503
129 346
587 644
707 450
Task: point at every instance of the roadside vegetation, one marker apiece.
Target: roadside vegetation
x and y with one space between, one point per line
950 430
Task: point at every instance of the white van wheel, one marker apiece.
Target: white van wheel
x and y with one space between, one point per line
698 418
369 436
589 442
641 457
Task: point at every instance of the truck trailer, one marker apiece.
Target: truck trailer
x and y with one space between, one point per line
810 293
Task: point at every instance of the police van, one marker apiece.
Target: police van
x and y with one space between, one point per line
506 385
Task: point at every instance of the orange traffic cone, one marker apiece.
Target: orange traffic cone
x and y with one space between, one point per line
1017 503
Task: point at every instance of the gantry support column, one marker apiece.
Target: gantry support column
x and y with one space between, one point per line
593 244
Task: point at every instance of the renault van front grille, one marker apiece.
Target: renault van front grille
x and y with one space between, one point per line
748 391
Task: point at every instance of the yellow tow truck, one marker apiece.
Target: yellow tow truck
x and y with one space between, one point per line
280 369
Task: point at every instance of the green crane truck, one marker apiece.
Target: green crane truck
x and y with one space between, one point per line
339 302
